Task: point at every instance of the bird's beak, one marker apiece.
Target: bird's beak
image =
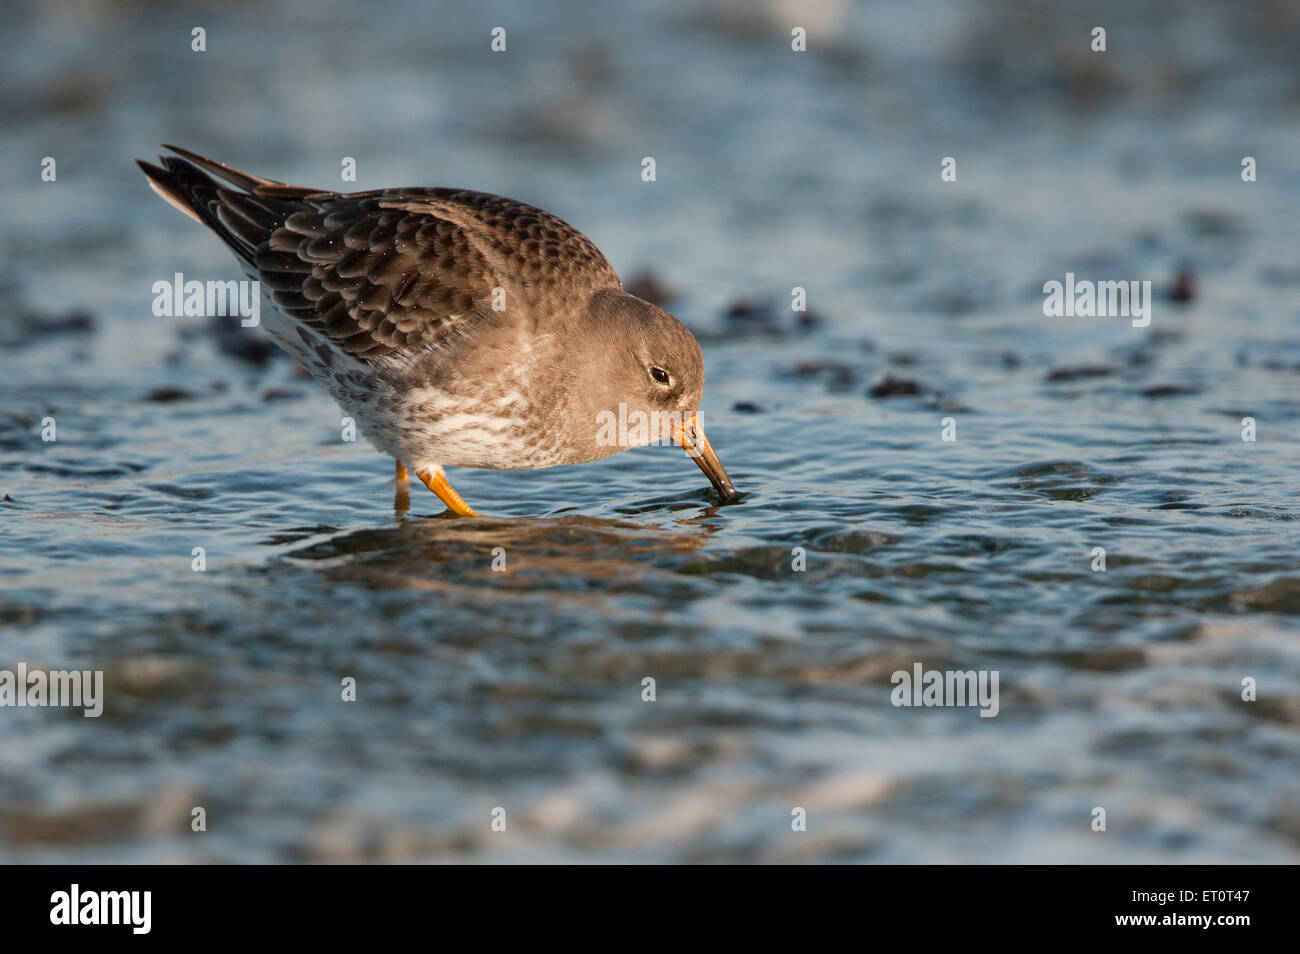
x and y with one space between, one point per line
691 437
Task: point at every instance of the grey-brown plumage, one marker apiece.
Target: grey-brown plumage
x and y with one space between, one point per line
460 328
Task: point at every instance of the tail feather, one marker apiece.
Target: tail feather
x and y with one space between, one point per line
253 219
245 180
161 181
243 220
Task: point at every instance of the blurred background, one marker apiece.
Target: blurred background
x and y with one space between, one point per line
775 169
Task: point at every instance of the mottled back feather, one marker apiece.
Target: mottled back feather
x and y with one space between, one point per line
391 270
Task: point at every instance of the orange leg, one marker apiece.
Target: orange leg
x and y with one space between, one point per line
401 499
438 484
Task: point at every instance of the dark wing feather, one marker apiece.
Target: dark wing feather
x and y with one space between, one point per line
392 270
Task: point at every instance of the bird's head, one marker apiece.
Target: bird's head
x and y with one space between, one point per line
642 373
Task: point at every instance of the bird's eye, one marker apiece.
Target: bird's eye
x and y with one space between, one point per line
660 375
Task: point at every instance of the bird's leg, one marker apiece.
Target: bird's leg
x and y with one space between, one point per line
401 499
437 482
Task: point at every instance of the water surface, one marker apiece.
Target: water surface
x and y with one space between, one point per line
523 689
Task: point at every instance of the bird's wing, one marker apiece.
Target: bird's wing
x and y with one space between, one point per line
389 271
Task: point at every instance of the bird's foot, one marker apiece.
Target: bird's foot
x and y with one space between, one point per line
436 481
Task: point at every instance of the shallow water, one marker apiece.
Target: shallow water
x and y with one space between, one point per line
522 689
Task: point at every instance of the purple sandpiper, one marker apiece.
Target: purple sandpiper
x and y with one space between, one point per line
456 328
